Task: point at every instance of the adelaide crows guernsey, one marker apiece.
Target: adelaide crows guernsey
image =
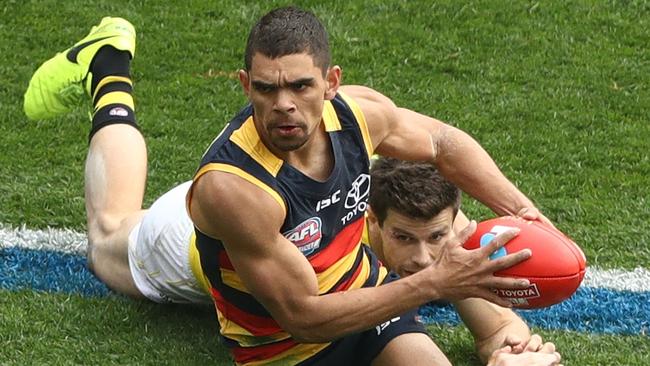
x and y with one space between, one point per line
324 220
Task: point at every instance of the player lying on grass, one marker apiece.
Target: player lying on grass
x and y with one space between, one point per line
278 203
413 212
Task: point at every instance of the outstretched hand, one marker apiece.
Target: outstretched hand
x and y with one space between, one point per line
532 344
545 355
466 273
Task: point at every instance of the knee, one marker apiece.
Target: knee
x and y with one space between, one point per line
101 230
108 241
105 255
89 258
94 251
101 227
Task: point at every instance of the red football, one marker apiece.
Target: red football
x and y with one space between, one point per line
555 269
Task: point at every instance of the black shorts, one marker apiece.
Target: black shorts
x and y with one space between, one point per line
362 348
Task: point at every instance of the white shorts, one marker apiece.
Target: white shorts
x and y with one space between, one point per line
159 252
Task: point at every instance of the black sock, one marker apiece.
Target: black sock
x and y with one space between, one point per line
111 89
109 61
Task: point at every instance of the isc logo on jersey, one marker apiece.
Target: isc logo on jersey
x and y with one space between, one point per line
306 236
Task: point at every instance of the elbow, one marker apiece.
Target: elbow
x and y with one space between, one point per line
307 336
307 331
301 319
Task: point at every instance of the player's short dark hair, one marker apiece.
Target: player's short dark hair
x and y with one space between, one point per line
287 31
413 189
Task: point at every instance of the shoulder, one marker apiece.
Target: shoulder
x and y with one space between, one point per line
219 201
379 111
366 97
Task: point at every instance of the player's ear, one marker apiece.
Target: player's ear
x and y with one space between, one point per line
370 215
244 80
460 222
333 78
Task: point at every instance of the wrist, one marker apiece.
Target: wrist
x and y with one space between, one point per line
426 284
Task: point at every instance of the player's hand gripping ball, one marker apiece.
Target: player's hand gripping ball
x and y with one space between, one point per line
555 269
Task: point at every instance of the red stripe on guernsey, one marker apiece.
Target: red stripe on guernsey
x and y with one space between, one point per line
224 261
257 325
243 355
346 240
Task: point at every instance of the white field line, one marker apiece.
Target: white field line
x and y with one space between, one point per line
69 241
62 240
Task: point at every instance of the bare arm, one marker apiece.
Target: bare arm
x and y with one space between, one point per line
408 135
248 221
492 326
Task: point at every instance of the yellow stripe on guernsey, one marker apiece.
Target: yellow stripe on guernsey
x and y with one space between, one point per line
361 120
328 278
365 237
363 275
195 265
365 240
247 139
230 278
330 119
383 272
241 173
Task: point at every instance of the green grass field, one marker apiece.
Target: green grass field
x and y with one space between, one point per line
557 92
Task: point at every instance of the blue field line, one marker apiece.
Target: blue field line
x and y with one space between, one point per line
51 271
590 309
593 310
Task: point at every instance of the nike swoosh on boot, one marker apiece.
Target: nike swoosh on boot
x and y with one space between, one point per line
74 51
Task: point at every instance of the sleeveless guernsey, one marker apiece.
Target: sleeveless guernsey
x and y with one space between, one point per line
324 220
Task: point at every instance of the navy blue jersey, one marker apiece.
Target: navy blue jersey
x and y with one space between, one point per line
324 220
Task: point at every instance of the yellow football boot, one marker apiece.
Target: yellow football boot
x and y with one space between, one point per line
63 81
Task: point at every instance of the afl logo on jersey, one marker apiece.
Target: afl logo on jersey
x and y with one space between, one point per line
306 236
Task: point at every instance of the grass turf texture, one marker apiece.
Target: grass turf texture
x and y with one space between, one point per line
119 331
557 93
